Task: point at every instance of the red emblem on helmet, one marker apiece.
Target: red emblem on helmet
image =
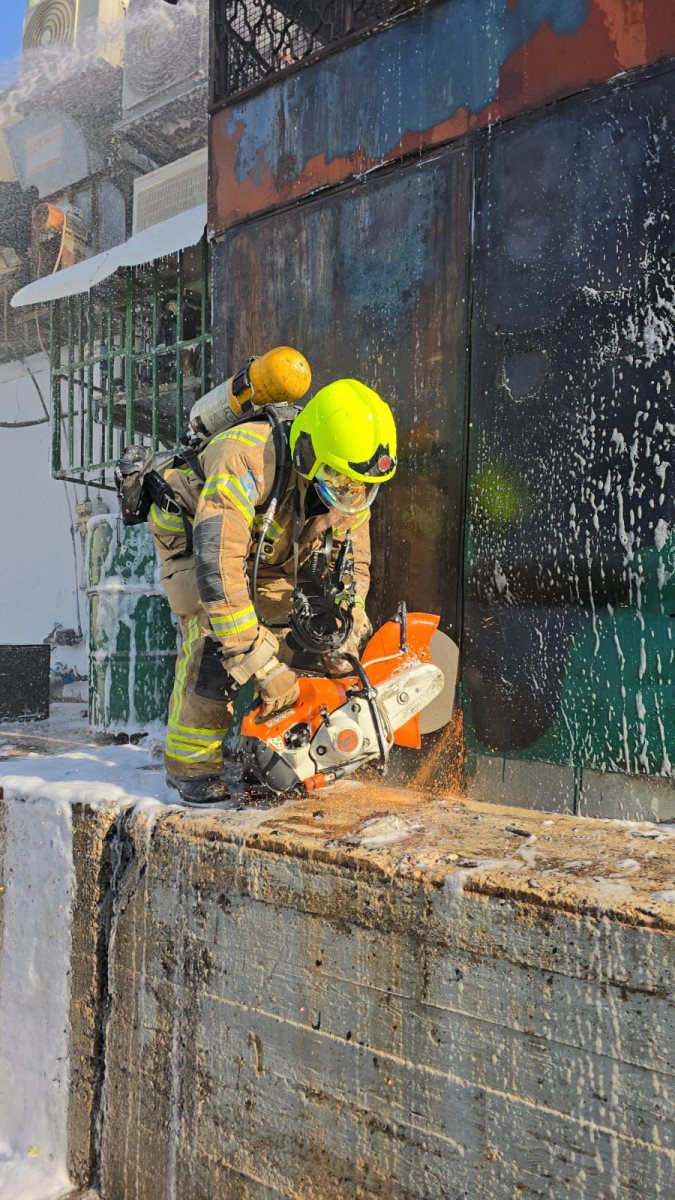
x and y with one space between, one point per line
384 463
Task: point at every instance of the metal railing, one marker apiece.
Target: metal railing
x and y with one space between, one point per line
128 360
254 40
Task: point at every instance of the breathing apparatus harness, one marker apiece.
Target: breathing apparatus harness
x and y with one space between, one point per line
321 607
320 619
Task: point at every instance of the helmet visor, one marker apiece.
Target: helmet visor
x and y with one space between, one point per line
339 491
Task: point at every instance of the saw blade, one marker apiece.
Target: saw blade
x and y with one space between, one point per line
444 654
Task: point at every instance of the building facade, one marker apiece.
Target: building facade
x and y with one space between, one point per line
468 205
104 280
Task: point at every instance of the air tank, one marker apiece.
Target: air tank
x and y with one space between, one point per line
281 376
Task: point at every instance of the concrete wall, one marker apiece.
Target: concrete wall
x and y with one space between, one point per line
388 995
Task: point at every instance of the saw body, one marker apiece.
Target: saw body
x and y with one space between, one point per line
337 726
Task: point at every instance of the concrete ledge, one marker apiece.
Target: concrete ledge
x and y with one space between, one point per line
93 851
371 993
545 786
58 1100
378 994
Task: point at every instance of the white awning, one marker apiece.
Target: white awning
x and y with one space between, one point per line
167 237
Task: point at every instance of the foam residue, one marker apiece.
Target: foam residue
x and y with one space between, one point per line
385 831
34 1000
98 776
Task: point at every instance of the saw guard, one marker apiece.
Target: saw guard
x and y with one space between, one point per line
383 657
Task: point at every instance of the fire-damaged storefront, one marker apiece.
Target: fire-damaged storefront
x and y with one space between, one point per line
466 206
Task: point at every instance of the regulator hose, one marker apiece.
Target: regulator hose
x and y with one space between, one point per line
278 488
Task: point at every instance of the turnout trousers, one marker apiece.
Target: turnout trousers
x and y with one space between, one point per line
200 710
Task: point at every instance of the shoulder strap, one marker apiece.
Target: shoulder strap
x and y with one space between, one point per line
298 526
192 460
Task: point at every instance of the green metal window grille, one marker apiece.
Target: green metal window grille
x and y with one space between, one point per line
128 360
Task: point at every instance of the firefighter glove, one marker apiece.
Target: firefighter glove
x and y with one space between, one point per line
243 667
277 684
278 687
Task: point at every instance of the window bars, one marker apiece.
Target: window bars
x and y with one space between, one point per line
254 39
128 360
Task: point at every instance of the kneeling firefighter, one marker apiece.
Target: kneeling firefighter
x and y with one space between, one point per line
237 521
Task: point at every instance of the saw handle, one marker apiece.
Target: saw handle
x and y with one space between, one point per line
368 691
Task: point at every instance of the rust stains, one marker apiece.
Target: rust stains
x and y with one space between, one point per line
288 141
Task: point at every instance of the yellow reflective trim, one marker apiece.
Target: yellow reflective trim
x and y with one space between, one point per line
230 486
249 437
274 531
237 623
193 747
171 521
210 755
214 736
189 730
243 612
184 743
338 531
359 602
181 668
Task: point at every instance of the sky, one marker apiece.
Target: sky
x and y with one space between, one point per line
11 28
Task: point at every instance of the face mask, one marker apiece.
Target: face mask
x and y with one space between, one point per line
341 492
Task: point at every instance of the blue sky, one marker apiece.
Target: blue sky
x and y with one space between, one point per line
11 26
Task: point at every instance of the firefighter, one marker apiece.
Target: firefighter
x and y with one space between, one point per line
340 447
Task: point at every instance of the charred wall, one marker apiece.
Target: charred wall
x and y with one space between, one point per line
510 288
570 585
374 280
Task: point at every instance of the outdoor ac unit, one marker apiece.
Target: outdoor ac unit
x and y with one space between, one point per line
74 22
49 23
173 189
60 237
165 51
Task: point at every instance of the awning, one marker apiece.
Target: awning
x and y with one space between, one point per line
167 237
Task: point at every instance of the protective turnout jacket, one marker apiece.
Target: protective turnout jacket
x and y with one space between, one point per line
227 511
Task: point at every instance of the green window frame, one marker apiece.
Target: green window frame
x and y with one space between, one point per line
127 361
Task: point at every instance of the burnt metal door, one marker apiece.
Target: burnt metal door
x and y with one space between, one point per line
371 282
568 654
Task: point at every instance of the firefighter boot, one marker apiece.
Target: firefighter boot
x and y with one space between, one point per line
205 791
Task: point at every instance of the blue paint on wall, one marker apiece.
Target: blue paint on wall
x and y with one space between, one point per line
565 192
405 79
387 264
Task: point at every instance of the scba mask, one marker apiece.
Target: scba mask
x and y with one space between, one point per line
339 491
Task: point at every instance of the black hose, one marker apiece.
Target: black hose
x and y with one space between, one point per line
23 424
278 488
370 696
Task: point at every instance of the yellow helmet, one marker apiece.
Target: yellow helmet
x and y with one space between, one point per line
345 441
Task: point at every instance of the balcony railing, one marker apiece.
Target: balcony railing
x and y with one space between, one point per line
128 360
254 40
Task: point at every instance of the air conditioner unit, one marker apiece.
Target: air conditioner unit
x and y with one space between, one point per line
173 189
165 52
60 237
92 24
49 23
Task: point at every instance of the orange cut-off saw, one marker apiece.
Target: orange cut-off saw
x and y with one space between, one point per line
402 688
